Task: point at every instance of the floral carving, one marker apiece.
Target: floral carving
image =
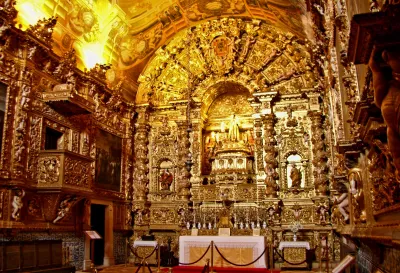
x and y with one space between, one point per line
76 172
48 170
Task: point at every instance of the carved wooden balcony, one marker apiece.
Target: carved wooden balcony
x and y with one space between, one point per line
67 101
63 169
379 29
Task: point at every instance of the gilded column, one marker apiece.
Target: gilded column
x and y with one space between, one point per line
319 154
270 155
141 180
183 183
258 145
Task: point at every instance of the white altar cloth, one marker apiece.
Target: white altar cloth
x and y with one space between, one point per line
297 244
144 243
256 243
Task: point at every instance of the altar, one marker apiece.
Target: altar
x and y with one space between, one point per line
294 252
145 248
237 249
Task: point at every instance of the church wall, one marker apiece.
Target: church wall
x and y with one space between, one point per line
372 256
61 130
364 162
120 247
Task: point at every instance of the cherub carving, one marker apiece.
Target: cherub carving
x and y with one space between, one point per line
343 200
65 207
17 204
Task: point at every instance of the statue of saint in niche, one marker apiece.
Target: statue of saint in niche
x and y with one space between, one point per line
166 179
295 176
233 133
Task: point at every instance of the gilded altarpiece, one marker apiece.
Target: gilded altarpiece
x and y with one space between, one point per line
253 134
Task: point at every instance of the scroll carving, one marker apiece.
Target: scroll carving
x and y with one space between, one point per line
76 172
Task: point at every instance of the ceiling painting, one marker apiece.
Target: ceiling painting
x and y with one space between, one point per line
126 33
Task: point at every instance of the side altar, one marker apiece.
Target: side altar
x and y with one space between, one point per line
294 253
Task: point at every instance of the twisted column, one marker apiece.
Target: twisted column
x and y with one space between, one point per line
270 153
258 143
183 182
319 154
141 169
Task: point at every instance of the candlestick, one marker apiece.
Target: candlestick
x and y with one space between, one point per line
194 221
215 212
257 203
248 210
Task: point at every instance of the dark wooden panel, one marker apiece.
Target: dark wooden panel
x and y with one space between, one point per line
28 256
43 254
56 252
13 257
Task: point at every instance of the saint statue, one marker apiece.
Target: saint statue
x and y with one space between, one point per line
233 134
295 176
166 179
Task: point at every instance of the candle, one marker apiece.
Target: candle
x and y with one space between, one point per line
257 203
215 212
248 210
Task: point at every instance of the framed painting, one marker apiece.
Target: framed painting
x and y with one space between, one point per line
108 161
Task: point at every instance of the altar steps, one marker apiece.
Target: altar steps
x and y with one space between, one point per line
198 269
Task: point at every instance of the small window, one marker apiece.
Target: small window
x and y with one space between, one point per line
53 139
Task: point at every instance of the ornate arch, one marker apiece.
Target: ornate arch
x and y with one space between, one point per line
252 53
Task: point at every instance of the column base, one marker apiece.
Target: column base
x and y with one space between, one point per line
108 261
86 264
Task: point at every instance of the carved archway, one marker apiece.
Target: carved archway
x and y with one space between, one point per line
252 53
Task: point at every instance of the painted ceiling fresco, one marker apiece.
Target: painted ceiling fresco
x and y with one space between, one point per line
126 33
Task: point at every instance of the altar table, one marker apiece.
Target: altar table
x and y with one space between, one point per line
237 249
294 252
143 249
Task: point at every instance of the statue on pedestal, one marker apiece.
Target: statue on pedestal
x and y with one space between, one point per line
233 133
295 176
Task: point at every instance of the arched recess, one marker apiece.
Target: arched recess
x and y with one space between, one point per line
225 99
252 53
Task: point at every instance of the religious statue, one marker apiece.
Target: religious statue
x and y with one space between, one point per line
343 200
233 133
386 84
295 176
166 179
356 189
17 204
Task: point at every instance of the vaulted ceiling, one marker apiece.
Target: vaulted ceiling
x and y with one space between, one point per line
126 33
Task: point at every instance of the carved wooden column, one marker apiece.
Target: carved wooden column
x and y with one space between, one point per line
258 143
270 155
183 183
319 153
141 169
